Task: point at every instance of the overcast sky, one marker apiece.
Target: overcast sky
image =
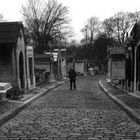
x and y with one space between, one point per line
79 10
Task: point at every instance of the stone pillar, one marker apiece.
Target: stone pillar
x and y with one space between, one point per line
30 69
17 70
135 70
33 72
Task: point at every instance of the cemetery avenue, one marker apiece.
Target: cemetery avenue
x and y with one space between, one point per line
58 84
62 114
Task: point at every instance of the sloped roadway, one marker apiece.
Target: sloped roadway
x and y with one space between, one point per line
63 114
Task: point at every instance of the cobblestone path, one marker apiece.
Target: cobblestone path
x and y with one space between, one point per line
62 114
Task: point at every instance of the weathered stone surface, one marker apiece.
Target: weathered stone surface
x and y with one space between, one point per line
82 114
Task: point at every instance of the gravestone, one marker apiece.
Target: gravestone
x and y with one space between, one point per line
4 87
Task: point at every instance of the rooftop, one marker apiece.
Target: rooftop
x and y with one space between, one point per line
9 31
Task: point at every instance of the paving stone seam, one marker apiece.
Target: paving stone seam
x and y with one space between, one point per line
10 114
131 112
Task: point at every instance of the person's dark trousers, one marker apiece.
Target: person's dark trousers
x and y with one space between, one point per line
72 83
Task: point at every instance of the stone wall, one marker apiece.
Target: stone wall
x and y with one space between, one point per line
5 73
79 67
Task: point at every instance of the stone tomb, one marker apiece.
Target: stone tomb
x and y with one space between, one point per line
14 67
4 87
116 64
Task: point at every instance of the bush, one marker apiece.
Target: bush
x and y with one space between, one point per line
47 75
38 76
14 93
79 74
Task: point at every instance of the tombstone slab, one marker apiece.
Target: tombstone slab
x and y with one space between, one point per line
4 87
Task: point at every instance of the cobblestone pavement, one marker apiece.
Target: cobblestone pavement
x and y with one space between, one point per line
62 114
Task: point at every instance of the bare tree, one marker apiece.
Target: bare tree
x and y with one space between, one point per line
90 29
85 33
46 22
93 25
1 18
118 25
135 17
108 27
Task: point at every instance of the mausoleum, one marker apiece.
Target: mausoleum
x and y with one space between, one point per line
116 64
16 59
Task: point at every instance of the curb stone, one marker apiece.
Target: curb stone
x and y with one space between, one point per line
10 114
131 112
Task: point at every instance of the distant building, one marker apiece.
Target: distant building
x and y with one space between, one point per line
80 67
116 64
60 62
43 67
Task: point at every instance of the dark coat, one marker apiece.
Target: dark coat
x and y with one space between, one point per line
72 74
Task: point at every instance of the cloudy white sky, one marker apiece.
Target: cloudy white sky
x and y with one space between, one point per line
79 10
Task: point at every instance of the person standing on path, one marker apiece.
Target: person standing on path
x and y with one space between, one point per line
72 76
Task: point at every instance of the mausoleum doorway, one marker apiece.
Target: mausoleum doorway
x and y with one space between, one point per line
31 70
138 69
21 70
